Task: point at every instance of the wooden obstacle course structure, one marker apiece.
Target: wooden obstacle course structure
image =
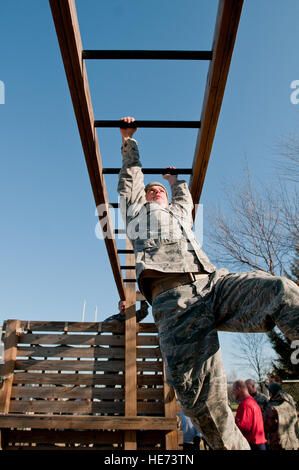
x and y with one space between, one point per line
66 385
93 385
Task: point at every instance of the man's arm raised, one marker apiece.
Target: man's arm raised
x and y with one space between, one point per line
130 184
182 203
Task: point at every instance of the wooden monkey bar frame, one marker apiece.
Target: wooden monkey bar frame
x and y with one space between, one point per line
74 57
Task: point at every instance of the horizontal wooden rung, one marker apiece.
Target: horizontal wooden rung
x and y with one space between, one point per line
149 124
152 171
146 55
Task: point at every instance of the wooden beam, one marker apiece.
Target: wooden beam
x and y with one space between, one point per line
81 422
130 356
68 33
228 16
10 354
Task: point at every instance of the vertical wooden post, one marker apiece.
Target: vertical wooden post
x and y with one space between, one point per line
10 354
130 351
170 407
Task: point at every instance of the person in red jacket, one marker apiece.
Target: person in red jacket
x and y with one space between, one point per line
249 418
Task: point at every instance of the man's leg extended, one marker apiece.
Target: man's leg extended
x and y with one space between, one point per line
255 302
190 348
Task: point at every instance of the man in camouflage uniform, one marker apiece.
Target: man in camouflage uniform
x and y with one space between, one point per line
280 419
260 398
191 299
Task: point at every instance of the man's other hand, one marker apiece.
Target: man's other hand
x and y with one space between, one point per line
127 132
170 178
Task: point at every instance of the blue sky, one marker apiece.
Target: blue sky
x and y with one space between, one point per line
50 259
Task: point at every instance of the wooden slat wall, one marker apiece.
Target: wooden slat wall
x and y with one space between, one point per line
73 368
50 357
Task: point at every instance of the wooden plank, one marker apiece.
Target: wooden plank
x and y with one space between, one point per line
83 327
10 351
67 365
69 379
130 358
72 352
147 328
148 353
66 339
68 407
147 340
154 366
69 392
68 33
83 352
228 16
150 409
83 407
49 421
150 394
150 379
170 404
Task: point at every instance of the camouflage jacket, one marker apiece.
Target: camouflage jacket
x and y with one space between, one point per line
261 400
280 420
140 314
162 238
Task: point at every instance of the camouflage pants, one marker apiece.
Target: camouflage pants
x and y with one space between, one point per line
188 318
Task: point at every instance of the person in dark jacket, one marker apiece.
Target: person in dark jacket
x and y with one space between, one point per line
280 419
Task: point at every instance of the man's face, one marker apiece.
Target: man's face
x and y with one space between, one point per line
158 195
122 307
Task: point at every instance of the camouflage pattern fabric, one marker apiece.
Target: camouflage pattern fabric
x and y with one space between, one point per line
188 318
162 239
280 418
261 400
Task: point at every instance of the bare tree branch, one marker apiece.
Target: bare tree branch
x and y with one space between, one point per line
255 233
250 352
